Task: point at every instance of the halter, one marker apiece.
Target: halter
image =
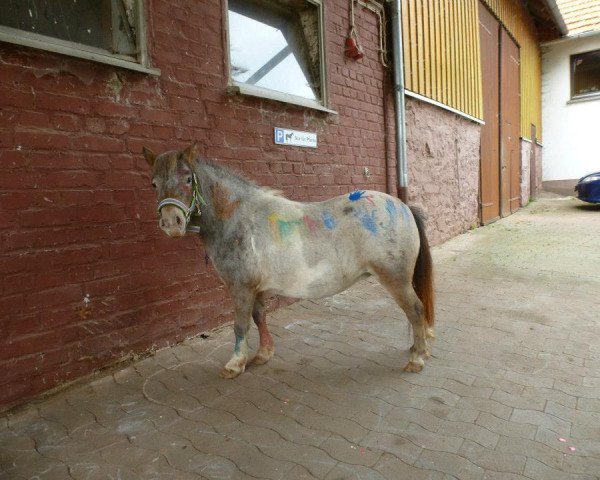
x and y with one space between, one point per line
188 211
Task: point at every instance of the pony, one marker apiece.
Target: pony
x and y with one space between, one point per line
262 243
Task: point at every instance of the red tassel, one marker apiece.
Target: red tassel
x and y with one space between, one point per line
352 49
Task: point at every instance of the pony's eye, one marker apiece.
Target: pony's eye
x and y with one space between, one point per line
189 180
153 184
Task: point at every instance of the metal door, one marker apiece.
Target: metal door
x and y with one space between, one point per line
510 113
489 190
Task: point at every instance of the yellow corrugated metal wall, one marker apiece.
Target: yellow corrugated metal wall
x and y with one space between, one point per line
514 17
441 52
442 56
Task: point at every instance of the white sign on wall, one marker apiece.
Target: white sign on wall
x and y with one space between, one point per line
284 136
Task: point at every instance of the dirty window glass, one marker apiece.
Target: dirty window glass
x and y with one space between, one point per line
276 46
585 74
105 24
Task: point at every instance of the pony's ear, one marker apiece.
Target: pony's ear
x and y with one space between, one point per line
149 156
190 152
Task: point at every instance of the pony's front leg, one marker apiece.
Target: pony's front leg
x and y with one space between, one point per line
243 305
266 347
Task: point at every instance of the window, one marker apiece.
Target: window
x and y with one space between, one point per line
585 75
108 31
276 50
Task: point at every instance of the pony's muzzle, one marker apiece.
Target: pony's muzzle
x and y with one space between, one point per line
172 221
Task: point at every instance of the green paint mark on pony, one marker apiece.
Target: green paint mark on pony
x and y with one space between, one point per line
282 229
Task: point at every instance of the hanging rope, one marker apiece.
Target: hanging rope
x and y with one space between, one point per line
379 10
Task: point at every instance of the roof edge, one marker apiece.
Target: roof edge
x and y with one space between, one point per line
589 33
558 18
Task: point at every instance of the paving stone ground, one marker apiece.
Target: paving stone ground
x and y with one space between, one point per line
512 390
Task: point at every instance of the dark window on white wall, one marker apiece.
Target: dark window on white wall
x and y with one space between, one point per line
585 75
276 49
109 31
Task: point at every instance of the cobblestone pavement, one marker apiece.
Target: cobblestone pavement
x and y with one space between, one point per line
512 390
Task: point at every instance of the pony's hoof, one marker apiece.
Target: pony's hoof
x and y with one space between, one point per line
233 368
264 354
229 373
413 367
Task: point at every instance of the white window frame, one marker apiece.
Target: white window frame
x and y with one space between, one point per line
235 87
78 50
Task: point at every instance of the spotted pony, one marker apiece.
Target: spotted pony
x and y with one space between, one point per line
262 243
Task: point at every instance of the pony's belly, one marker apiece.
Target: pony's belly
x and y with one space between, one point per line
319 281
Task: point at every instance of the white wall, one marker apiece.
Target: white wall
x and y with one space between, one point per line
571 131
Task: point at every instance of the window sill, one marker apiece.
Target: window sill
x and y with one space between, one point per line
253 91
585 98
55 45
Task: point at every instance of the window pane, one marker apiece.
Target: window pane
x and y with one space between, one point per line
269 49
97 23
586 73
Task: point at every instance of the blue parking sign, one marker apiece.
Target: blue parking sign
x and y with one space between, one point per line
279 136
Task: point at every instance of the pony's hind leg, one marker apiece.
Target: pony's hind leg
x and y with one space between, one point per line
243 305
266 347
407 299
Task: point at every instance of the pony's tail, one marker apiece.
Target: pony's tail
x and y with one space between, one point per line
423 274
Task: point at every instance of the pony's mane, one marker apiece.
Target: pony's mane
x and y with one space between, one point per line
225 174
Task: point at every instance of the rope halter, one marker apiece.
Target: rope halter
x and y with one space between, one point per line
187 211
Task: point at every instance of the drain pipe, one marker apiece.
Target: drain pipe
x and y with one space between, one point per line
401 157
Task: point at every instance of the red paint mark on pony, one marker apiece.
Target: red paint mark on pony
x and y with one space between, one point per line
310 224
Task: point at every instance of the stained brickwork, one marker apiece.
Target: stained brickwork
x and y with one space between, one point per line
86 277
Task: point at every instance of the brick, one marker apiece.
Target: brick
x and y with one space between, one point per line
74 179
12 159
45 218
70 123
38 342
63 103
95 125
115 110
33 119
56 296
43 140
94 143
10 305
16 98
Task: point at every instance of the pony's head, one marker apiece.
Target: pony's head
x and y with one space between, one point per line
176 188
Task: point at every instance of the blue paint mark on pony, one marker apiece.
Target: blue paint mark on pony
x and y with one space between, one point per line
368 219
329 220
405 214
238 340
355 196
390 208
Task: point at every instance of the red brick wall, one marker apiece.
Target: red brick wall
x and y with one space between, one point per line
86 276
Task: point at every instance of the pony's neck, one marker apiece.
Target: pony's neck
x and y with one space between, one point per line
222 192
209 176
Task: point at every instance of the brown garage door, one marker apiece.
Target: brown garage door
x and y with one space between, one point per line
489 191
510 110
500 152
